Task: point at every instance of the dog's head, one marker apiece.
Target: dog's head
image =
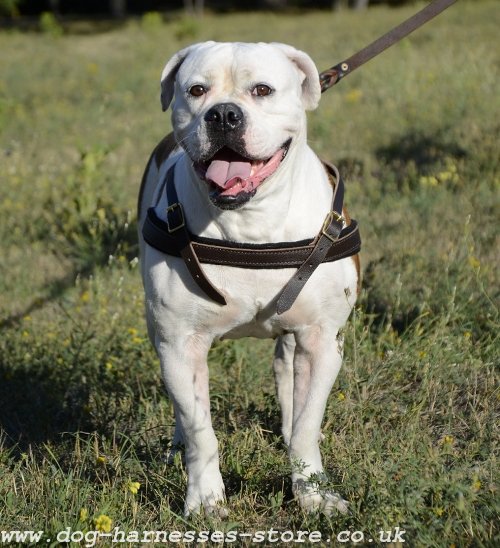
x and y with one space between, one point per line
237 110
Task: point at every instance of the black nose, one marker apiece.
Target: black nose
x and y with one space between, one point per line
225 116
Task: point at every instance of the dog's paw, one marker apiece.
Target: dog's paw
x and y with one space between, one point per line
208 496
313 498
214 509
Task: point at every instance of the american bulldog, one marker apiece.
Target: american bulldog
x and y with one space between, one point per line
243 172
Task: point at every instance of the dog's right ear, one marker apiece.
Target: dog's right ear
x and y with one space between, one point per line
169 73
168 76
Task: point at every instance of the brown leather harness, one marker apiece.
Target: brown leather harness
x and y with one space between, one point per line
337 239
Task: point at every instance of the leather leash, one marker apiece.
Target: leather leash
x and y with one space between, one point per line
333 75
336 240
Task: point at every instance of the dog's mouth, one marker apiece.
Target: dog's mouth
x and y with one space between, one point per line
233 178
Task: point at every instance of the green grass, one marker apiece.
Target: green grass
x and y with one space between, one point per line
411 426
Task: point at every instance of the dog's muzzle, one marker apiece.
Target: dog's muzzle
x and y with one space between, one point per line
231 173
233 178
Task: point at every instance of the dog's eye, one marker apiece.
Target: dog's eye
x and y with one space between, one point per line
197 90
261 90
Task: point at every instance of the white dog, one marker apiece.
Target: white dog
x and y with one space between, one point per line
239 169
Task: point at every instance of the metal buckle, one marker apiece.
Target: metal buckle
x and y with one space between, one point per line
332 216
183 222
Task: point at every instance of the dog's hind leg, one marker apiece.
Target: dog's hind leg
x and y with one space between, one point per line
315 370
283 377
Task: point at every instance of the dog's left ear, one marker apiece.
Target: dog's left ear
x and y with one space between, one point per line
311 88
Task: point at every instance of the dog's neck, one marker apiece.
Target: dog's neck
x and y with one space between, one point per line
291 205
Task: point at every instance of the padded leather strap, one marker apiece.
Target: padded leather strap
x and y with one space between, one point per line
253 256
329 235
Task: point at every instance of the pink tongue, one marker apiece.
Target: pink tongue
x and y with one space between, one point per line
227 174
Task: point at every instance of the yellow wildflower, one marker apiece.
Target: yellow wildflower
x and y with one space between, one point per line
354 96
444 176
476 484
101 214
84 514
101 459
132 331
439 511
85 297
133 487
341 396
92 68
103 523
448 440
429 181
474 262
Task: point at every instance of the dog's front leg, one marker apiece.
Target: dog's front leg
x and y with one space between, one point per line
283 377
317 362
185 373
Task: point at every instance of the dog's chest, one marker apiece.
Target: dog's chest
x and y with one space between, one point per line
178 304
251 294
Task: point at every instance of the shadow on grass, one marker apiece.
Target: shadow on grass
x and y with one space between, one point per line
46 401
381 303
416 154
55 289
85 256
39 397
422 149
36 407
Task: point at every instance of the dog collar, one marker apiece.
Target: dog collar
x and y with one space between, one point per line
339 238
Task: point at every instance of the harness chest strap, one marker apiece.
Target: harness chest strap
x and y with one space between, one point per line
172 237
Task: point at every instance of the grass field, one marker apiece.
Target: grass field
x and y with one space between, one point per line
411 427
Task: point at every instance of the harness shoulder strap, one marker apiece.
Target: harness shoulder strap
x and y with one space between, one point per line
329 235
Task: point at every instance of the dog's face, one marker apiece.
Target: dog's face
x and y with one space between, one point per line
238 108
